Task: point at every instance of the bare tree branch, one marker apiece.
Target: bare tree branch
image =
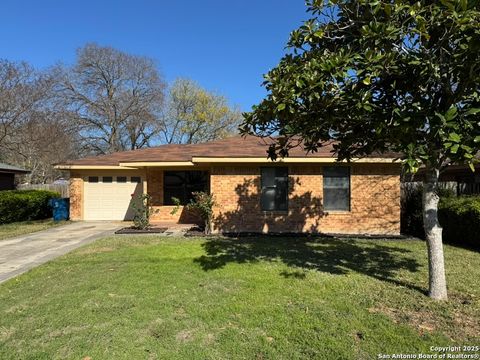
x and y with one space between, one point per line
115 94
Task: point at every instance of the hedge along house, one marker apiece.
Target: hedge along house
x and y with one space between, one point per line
301 193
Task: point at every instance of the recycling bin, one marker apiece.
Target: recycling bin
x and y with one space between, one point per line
60 208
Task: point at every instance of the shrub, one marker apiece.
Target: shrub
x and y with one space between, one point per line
24 205
202 205
411 218
143 211
460 219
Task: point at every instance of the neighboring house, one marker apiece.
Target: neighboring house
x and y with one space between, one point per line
7 176
459 178
301 193
467 181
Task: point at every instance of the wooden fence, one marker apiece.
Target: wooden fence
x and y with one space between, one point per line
457 188
62 189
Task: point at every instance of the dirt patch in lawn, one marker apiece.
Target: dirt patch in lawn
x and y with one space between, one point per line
5 333
423 321
426 320
184 336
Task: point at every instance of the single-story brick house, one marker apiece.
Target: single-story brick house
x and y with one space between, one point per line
301 193
7 175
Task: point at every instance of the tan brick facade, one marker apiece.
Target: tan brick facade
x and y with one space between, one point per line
76 196
163 212
375 200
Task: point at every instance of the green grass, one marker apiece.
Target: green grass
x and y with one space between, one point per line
266 298
26 227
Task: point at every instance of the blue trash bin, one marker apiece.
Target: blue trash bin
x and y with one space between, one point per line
60 208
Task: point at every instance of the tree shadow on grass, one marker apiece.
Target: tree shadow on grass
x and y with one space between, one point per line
330 255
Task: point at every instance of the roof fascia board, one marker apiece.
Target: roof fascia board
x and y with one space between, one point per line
7 171
287 160
157 163
92 167
223 160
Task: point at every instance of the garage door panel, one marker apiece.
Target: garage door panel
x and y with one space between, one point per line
110 201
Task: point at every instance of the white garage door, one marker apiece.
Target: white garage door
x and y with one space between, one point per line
104 200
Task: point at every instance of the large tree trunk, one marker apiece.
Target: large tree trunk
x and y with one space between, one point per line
433 233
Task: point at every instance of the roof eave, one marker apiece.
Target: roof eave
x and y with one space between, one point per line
16 171
296 160
201 160
92 167
156 164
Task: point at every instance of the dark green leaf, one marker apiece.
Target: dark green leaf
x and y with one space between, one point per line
454 137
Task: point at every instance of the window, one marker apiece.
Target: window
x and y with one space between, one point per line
274 188
93 179
336 188
107 179
121 179
135 179
181 185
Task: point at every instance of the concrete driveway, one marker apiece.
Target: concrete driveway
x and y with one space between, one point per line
19 254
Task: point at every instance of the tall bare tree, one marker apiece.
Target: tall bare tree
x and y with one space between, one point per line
194 115
22 90
34 127
114 97
45 139
108 101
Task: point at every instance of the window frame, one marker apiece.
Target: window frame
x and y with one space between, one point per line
185 186
262 187
90 178
107 177
124 179
349 208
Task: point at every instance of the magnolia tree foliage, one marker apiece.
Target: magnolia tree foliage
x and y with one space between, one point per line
381 76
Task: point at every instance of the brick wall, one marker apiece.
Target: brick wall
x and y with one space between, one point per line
76 196
163 212
375 201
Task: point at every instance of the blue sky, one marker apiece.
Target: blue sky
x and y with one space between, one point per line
224 45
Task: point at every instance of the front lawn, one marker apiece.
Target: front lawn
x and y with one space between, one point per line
266 298
25 227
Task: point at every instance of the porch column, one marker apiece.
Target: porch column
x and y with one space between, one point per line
145 183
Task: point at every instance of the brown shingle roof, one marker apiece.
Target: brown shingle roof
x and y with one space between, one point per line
6 168
234 147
